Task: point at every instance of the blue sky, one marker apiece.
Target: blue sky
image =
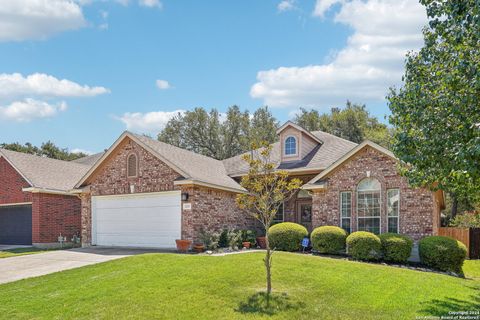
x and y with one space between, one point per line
81 72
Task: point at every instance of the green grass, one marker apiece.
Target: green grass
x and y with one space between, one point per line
471 268
169 286
19 252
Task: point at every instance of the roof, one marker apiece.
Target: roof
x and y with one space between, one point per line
320 158
194 168
316 181
89 160
45 173
299 128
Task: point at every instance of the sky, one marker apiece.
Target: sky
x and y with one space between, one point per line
80 72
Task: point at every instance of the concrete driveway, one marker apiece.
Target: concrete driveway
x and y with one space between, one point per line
22 267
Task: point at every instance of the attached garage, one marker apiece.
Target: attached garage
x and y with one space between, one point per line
16 224
137 220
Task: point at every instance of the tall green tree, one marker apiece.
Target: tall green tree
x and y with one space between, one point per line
436 113
235 132
263 126
353 123
47 149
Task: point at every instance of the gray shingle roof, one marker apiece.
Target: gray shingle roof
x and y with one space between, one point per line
89 160
332 149
196 166
46 173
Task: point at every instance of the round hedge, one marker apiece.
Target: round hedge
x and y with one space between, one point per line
396 247
442 253
329 239
362 245
287 236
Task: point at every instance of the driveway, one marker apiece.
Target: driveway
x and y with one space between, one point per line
39 264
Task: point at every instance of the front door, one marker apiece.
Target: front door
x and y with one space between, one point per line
304 213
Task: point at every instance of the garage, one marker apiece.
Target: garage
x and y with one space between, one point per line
16 224
148 220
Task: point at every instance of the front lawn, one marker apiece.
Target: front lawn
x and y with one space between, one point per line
200 287
19 252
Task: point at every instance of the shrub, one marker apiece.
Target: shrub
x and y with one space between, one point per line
442 253
362 245
466 220
223 239
287 236
247 236
396 247
209 240
329 239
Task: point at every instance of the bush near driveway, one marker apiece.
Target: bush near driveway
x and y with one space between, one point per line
362 245
287 236
329 239
442 253
396 247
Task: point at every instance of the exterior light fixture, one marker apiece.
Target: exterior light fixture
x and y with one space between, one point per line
184 196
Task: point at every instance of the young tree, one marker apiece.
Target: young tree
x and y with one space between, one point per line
436 113
267 189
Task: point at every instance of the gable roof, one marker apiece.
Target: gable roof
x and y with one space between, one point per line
45 173
315 182
319 158
89 160
194 168
299 128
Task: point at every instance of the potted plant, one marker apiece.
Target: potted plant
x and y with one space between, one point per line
248 238
183 245
262 242
198 247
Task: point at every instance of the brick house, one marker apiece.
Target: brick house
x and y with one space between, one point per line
145 193
35 203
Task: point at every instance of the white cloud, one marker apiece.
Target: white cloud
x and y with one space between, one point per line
150 122
79 150
163 84
150 3
30 109
286 5
39 84
38 19
372 61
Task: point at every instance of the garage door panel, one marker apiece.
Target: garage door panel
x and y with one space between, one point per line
141 220
16 225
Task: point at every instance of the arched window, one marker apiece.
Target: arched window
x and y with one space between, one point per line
290 146
368 205
132 165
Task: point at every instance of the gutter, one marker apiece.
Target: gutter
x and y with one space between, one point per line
206 184
47 191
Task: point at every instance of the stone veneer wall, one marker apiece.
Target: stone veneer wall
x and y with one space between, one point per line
290 210
419 209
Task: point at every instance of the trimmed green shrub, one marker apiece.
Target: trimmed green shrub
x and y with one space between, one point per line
329 239
396 247
442 253
362 245
287 236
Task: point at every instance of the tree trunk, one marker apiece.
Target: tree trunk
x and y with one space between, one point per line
268 266
454 206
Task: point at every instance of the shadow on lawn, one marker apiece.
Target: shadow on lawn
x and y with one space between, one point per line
259 303
442 307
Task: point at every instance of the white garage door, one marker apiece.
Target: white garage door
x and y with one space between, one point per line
139 220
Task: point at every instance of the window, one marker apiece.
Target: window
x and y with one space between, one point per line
132 165
393 209
279 215
290 146
368 205
346 210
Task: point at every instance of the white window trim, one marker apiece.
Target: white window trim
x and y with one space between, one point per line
351 210
398 213
283 215
380 203
296 146
136 165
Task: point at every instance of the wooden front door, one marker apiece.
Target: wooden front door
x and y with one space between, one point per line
304 213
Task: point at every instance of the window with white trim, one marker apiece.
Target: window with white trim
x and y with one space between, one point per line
393 210
132 165
279 216
346 210
290 146
368 205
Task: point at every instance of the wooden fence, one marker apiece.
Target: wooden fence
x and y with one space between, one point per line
469 236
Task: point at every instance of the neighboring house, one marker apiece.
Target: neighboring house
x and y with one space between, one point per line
35 203
146 193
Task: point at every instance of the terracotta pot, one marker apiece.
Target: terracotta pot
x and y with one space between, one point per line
183 245
246 244
262 242
199 247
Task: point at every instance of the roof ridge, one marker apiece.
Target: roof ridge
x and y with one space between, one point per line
2 151
335 136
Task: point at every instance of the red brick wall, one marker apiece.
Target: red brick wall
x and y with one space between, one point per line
290 206
417 206
11 185
53 215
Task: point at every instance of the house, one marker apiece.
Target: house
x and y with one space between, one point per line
146 193
35 203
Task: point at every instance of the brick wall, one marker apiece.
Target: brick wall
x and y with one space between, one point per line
53 215
289 211
12 184
418 207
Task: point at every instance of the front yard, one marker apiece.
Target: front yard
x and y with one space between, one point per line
201 287
19 252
